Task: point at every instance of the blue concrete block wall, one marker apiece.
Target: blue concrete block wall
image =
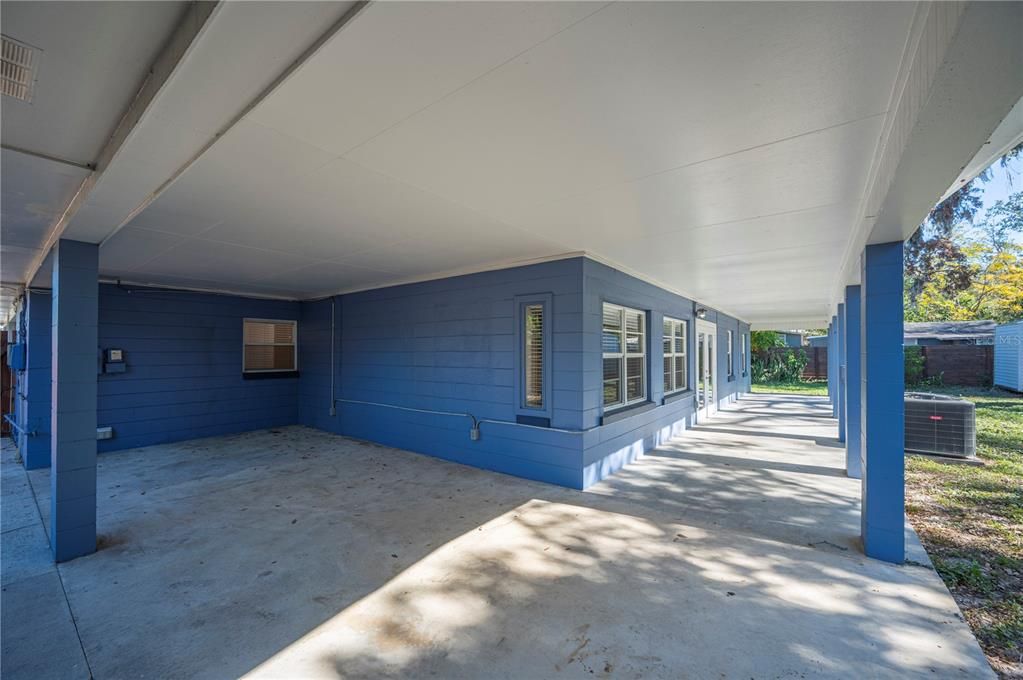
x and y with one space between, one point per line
449 345
445 345
609 447
34 384
184 367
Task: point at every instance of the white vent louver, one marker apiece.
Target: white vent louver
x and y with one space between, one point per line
18 69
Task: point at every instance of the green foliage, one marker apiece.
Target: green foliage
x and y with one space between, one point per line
774 366
764 340
914 360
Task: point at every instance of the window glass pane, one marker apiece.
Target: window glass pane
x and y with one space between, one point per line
634 378
284 357
634 344
257 333
259 357
667 345
612 381
284 333
612 317
668 326
611 342
668 387
680 372
534 356
633 321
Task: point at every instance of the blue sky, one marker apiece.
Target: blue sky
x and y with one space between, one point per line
1004 181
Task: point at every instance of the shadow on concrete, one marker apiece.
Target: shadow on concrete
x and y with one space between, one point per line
297 553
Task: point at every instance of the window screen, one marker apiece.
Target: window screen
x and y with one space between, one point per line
269 346
623 342
675 365
533 353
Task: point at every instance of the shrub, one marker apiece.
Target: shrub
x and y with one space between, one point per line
779 365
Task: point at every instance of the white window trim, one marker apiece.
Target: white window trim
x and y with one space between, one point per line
684 353
623 357
294 345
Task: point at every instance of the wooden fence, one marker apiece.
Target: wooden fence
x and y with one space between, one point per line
970 365
967 365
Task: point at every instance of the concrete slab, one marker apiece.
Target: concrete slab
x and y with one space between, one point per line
296 553
38 639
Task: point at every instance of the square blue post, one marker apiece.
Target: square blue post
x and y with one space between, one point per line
73 413
833 365
882 403
35 448
852 382
840 370
831 391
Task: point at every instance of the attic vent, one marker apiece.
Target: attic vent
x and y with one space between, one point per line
17 71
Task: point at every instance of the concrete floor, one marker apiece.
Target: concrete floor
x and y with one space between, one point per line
295 553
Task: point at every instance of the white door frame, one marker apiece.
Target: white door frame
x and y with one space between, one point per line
708 382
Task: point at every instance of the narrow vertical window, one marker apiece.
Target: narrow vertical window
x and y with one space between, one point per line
534 355
731 362
623 346
675 366
742 349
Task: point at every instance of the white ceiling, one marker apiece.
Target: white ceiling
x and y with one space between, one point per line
93 57
720 149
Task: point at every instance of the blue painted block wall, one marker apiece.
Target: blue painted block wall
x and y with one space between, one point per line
449 345
608 448
183 378
34 383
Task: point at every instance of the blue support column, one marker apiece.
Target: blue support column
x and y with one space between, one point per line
882 403
833 365
73 420
852 382
831 374
35 385
840 371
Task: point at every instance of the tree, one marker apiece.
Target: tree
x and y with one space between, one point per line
763 340
934 255
995 264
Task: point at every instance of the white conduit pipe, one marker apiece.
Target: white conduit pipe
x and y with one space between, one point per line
476 422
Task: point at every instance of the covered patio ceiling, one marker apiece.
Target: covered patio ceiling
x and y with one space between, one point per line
740 154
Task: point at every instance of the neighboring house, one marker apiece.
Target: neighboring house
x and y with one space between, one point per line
817 341
792 338
1008 371
949 332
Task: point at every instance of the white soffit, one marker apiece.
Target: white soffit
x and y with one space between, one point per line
720 149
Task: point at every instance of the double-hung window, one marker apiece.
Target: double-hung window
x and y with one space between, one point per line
674 355
730 354
269 346
623 344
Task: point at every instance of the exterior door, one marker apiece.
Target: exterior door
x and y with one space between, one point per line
706 370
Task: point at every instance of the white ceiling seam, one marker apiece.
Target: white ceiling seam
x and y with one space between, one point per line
82 165
170 57
337 27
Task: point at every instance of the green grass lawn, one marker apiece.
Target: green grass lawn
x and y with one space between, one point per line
819 388
970 519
